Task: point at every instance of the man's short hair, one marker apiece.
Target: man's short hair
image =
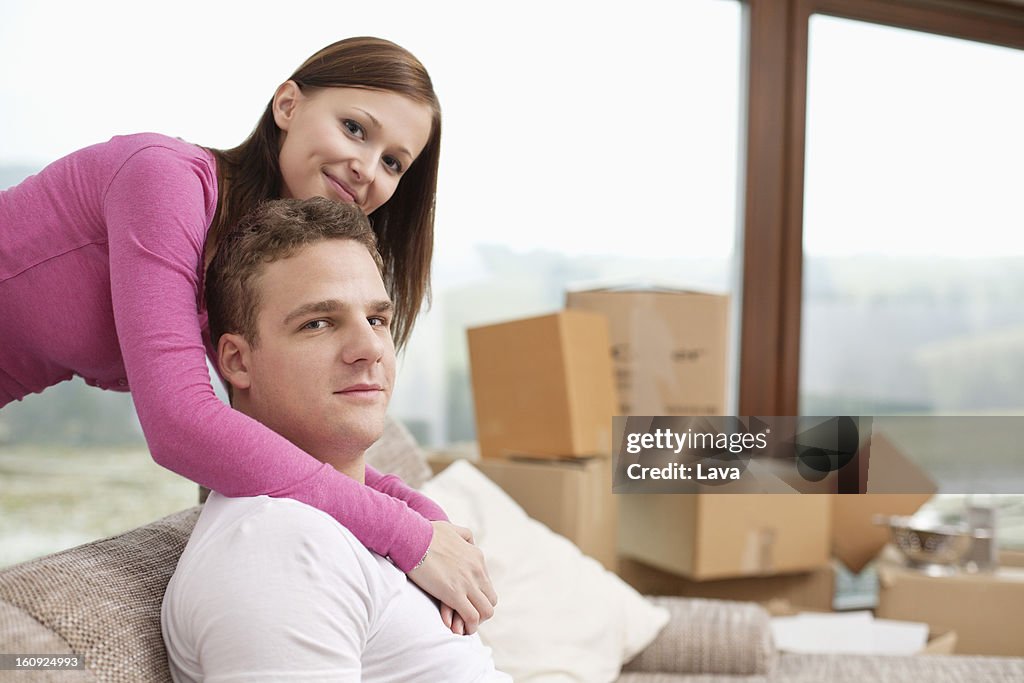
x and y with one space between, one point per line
274 230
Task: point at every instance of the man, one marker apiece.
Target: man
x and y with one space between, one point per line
269 588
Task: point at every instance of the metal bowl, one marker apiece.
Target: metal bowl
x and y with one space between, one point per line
933 548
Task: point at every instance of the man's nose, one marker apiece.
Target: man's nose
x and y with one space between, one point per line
364 342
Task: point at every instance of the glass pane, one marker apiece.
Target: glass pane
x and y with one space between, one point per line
913 239
604 154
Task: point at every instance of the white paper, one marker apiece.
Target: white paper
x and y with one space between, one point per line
847 633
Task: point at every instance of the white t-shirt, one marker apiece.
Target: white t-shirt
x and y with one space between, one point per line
272 589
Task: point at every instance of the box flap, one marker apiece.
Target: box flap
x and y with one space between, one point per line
856 539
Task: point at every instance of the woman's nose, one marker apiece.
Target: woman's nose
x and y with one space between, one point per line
364 167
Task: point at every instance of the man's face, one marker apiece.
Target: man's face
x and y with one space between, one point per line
323 369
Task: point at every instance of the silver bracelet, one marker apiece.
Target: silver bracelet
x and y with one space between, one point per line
422 560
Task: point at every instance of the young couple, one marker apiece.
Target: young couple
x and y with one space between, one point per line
112 245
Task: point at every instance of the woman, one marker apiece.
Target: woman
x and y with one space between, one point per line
102 260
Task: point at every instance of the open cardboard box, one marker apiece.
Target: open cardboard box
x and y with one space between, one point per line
984 608
856 539
718 536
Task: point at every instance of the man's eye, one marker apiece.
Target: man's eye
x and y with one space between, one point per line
393 164
378 321
315 325
353 128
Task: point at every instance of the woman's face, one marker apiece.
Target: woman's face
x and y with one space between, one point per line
347 144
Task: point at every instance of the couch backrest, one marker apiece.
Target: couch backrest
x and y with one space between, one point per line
103 598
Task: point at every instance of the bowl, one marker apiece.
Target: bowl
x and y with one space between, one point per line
932 548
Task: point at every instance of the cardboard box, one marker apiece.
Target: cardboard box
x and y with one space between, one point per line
670 348
856 539
1011 558
984 609
571 497
543 387
813 590
717 536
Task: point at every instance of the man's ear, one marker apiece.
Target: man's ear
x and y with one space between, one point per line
234 355
286 99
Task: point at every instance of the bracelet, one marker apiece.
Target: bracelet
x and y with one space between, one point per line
422 560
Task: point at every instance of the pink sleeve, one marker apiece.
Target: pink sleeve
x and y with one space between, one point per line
396 488
157 208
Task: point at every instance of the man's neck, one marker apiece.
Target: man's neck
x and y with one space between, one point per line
353 468
350 463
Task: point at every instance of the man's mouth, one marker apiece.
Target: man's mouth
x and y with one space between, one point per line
366 391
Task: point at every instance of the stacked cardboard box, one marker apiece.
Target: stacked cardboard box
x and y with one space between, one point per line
670 353
544 394
669 346
545 390
542 387
572 497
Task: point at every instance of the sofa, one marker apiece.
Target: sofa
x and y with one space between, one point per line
101 601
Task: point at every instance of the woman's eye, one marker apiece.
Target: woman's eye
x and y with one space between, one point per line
315 325
393 164
353 128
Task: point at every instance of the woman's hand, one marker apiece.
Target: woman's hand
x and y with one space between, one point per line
452 620
455 573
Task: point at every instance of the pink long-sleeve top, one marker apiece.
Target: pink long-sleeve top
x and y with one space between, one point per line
101 267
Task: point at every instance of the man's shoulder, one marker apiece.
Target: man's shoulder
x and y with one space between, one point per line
259 519
280 534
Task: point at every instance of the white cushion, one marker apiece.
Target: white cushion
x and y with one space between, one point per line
560 616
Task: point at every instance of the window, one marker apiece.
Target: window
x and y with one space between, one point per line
582 144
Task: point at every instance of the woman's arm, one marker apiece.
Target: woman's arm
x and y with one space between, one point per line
157 208
396 488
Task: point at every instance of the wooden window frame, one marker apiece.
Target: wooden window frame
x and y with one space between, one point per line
776 87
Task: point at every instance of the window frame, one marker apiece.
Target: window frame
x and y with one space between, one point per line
776 42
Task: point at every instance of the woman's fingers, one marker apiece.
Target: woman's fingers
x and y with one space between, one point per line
452 620
459 626
447 616
466 534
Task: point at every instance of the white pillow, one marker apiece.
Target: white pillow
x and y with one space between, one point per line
561 616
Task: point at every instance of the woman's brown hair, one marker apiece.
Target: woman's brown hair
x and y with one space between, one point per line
250 174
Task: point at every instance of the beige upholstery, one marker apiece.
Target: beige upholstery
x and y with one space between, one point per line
930 668
710 636
103 599
20 633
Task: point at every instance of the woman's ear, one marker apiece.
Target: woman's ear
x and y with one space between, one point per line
286 99
234 356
